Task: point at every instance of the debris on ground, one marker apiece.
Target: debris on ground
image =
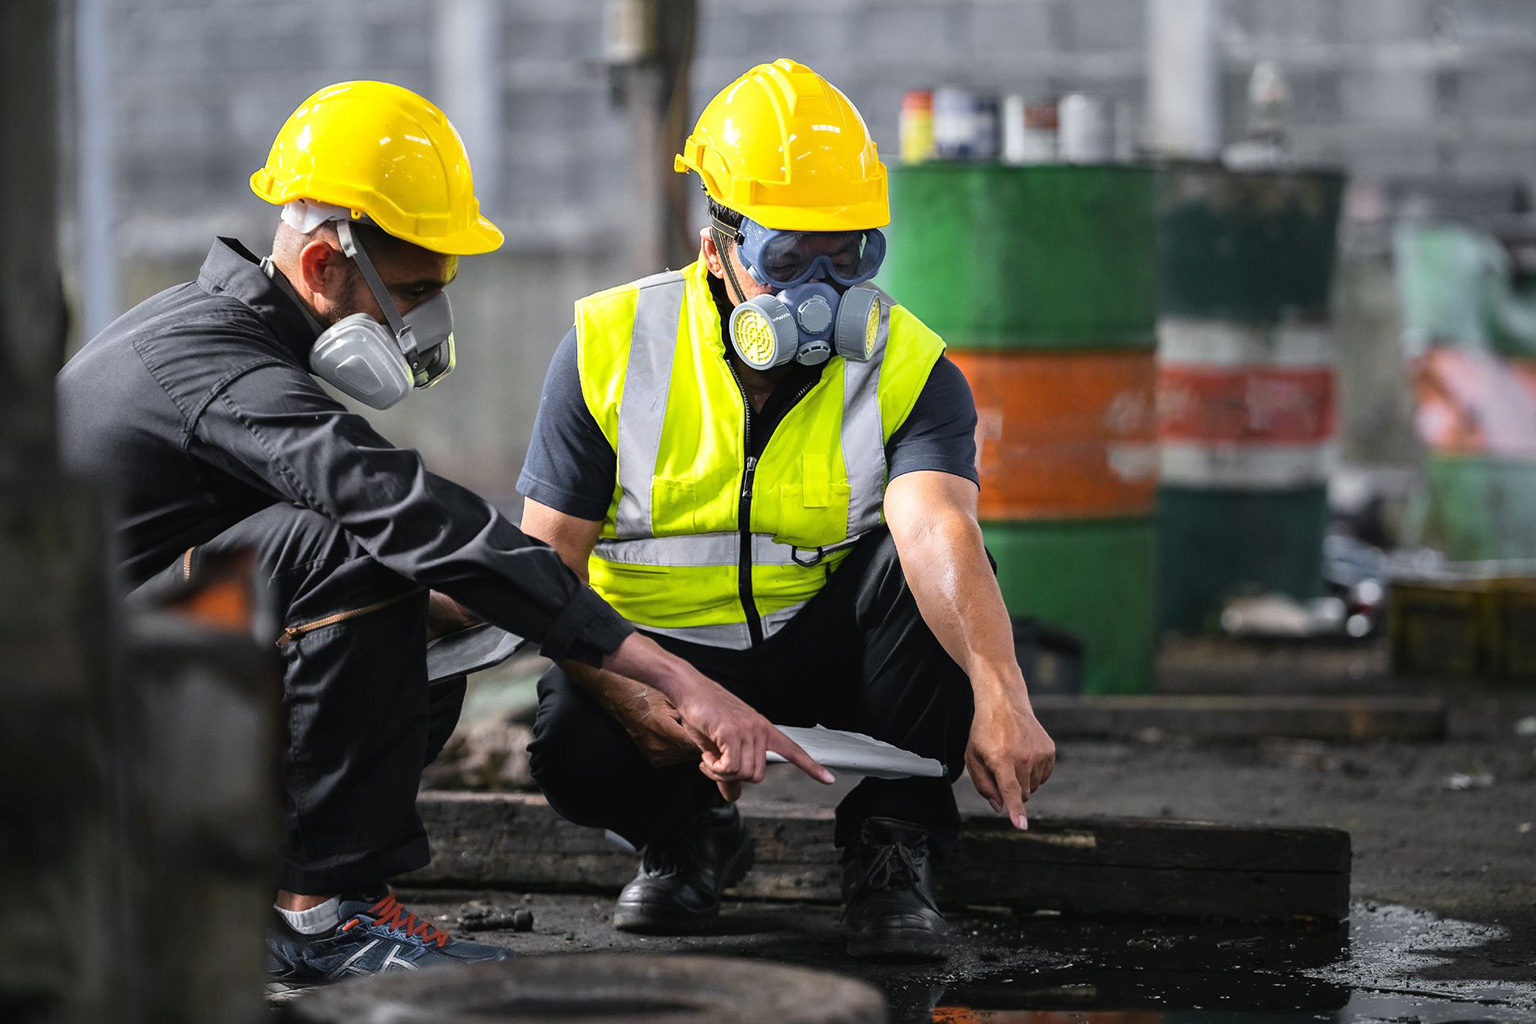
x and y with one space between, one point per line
1280 616
1469 780
480 917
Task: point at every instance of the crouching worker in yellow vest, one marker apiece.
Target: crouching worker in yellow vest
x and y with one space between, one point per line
767 466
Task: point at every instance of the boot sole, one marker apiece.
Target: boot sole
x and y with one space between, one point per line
668 918
900 946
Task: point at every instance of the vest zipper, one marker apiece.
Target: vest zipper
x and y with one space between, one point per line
744 509
744 518
744 570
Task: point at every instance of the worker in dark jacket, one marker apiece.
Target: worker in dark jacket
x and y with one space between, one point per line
199 407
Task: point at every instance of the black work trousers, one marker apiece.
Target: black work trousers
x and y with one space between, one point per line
359 722
859 656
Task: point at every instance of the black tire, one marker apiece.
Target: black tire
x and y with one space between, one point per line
597 988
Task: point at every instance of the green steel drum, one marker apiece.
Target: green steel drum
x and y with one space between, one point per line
1246 385
1042 281
1045 257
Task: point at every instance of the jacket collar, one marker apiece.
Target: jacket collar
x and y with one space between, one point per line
232 269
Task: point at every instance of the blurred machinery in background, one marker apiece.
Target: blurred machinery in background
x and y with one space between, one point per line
1468 292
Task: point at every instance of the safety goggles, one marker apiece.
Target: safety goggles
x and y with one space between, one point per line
786 258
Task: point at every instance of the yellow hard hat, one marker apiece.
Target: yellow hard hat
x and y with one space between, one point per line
783 147
382 152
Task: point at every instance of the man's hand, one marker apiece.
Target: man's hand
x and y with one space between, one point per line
733 740
932 517
1009 755
652 722
445 615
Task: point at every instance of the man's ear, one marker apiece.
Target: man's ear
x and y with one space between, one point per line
712 254
323 268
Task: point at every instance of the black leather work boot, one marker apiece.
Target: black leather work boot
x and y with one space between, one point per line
887 887
681 876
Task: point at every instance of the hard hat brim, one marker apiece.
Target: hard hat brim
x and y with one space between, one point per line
475 240
484 237
859 217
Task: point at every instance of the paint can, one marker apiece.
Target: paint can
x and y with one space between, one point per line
916 128
964 124
1087 129
1028 131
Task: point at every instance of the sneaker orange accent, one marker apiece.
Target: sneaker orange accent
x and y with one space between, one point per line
389 913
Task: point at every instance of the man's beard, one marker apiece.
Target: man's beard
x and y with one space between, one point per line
353 302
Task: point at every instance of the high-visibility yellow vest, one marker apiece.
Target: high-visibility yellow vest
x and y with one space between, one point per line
672 556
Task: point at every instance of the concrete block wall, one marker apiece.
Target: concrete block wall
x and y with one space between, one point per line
1384 87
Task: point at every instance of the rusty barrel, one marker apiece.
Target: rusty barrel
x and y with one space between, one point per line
1246 384
1042 281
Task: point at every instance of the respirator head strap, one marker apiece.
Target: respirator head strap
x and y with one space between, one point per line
723 249
354 250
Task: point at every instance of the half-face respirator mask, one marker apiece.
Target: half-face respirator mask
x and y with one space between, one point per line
378 364
820 305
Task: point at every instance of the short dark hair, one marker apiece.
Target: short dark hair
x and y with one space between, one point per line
722 213
378 243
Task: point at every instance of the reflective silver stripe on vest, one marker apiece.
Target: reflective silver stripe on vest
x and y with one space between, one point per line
643 406
733 635
863 434
695 549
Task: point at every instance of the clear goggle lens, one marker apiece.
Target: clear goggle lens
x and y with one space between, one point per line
786 258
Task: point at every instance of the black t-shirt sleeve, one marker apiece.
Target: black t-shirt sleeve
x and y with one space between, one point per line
569 466
940 431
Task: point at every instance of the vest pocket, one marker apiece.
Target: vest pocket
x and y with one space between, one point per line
673 506
814 510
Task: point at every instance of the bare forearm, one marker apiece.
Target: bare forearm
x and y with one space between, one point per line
947 569
607 688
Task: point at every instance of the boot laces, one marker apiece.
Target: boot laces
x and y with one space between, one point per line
389 913
895 866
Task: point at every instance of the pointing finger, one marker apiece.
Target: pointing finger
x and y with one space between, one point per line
792 752
1013 799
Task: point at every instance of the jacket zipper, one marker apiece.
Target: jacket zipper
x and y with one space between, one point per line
744 509
292 633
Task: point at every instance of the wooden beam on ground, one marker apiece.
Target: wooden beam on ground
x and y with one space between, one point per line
1090 866
1241 717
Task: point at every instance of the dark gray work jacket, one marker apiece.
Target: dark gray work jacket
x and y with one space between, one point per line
197 408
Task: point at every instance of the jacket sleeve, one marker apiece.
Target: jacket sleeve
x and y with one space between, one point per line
275 428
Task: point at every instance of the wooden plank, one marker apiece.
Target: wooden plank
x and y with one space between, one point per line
1231 717
1098 866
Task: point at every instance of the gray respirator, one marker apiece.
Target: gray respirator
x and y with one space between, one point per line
380 363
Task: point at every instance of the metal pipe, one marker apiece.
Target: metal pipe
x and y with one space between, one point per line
1184 78
97 180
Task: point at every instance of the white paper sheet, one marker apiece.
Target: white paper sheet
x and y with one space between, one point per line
857 754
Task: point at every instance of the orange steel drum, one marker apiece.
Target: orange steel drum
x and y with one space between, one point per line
1063 434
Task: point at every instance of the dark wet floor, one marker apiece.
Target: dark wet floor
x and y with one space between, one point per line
1387 965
